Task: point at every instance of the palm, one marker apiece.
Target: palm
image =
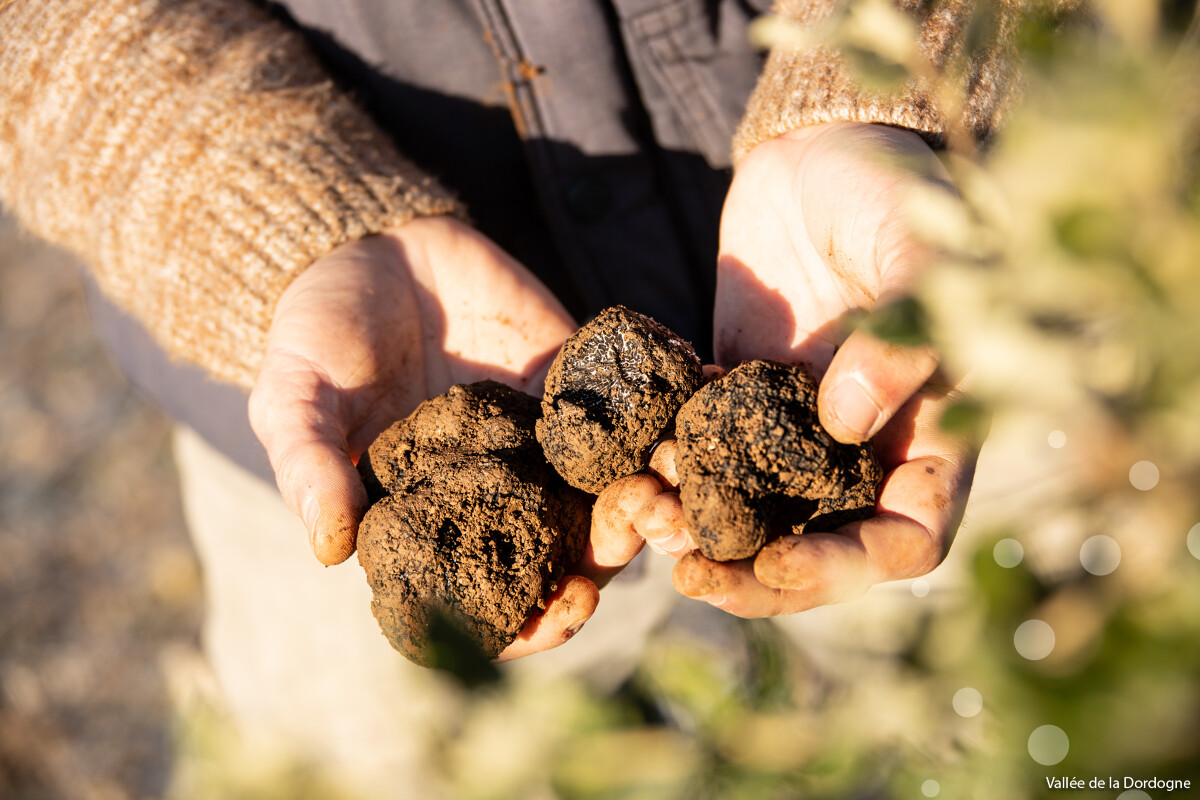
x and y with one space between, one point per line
814 228
366 333
386 322
804 223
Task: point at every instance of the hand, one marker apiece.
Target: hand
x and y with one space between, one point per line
813 230
368 332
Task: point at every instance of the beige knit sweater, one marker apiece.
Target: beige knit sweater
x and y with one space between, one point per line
199 159
810 86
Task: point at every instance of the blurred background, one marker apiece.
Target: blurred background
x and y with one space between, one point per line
97 579
1060 640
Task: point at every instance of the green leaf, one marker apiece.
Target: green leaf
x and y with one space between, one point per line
454 652
902 322
1092 232
874 70
966 417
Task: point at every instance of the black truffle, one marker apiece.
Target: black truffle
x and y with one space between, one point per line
611 394
754 462
468 520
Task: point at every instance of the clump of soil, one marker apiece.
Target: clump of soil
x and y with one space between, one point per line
611 394
754 463
468 520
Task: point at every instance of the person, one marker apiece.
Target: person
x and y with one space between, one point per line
207 160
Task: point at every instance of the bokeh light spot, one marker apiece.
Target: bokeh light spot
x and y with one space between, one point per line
1100 555
1057 439
920 587
1034 639
1008 553
931 788
1193 540
1133 794
1049 745
968 702
1144 475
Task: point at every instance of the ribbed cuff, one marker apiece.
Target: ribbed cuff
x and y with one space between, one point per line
816 85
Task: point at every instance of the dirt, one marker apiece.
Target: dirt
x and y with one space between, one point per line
468 520
755 463
611 394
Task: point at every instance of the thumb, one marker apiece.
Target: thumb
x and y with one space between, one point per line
292 411
868 380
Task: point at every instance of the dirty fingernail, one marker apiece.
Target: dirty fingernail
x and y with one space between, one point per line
852 405
310 512
668 545
662 463
573 629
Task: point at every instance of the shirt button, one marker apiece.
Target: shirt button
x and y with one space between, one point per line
588 200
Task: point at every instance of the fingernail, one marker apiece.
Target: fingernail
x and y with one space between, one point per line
851 404
668 545
717 600
310 513
572 630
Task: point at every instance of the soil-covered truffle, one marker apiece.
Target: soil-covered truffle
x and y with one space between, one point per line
468 519
612 392
754 462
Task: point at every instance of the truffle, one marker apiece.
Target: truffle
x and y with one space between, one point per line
611 394
754 462
467 520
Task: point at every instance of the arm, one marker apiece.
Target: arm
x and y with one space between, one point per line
958 96
199 158
196 156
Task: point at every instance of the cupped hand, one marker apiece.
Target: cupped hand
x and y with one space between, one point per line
364 335
813 232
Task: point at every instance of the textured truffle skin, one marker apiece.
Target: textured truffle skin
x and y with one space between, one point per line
611 394
754 462
468 520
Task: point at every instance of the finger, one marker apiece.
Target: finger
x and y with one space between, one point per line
614 541
567 609
823 568
660 522
839 575
662 464
921 504
292 413
867 382
728 585
795 573
934 468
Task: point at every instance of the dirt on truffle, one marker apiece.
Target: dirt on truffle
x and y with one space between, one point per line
611 394
468 520
754 463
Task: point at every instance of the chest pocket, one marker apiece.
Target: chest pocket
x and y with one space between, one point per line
695 68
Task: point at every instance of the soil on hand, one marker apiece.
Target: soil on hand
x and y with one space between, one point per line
468 520
611 394
755 463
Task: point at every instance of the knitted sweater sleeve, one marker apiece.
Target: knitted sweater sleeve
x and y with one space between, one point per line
814 85
195 155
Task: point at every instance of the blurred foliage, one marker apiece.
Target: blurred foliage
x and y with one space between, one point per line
453 651
1069 292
